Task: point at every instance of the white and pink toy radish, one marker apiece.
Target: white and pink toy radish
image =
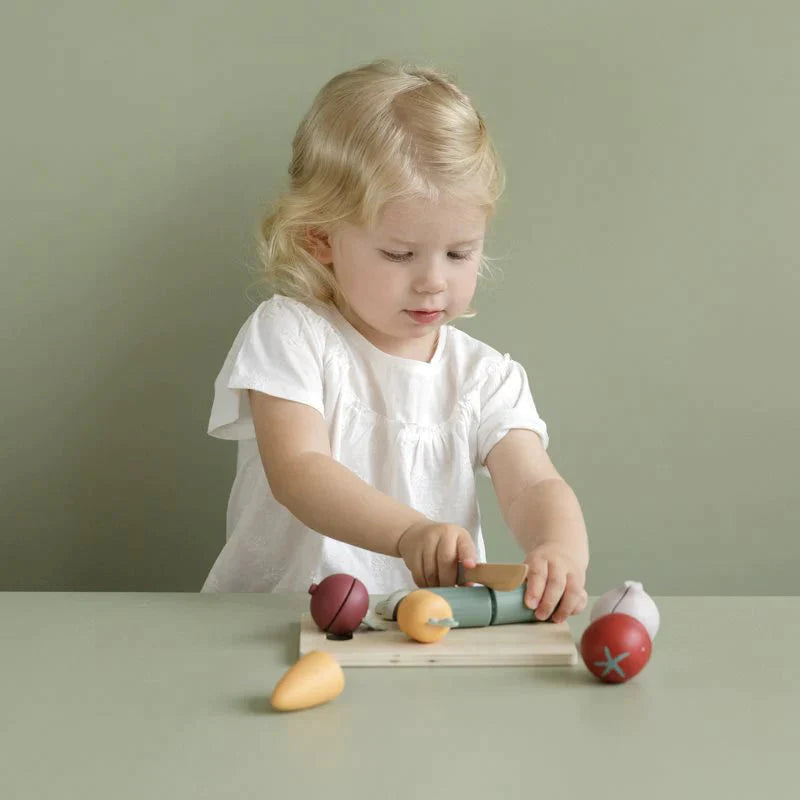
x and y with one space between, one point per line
630 599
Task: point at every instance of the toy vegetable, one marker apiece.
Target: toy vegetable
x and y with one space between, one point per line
338 603
472 606
615 647
316 678
425 616
630 598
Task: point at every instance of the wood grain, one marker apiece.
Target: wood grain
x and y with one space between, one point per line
502 577
523 644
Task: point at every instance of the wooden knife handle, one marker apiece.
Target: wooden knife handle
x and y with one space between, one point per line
502 577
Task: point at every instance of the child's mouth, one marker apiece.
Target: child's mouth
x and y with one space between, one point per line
424 317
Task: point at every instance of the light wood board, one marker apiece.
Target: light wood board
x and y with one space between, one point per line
522 644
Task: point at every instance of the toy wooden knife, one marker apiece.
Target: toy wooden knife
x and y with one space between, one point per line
501 577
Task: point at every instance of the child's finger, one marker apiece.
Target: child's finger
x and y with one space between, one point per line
570 601
556 581
417 572
581 597
430 562
537 580
448 561
465 549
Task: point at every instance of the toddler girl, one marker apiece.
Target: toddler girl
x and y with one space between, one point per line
362 416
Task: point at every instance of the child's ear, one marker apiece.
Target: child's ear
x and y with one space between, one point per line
319 245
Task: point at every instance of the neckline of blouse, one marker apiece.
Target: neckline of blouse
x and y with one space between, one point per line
366 346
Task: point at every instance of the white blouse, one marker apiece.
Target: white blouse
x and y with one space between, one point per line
417 431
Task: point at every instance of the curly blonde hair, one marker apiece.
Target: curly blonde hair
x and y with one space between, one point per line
377 133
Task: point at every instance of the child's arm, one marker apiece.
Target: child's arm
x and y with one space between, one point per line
331 499
545 517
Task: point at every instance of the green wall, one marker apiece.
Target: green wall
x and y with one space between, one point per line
648 245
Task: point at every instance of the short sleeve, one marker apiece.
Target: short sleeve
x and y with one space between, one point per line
278 352
506 403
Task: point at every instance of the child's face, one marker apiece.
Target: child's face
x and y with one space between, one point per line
421 257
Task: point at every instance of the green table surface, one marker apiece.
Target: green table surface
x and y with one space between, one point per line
136 695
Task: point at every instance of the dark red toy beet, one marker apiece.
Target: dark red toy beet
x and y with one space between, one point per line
615 647
339 603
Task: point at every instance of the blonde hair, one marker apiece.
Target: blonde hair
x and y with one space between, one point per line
374 134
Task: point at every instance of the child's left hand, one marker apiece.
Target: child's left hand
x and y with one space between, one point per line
555 581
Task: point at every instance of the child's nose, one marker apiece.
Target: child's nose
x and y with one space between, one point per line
430 278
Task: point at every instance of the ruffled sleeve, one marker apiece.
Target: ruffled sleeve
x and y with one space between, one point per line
505 403
277 351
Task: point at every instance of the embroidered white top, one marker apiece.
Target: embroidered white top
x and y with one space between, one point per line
418 431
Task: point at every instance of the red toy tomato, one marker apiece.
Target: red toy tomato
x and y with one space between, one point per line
615 647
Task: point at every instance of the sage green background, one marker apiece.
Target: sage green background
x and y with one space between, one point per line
648 245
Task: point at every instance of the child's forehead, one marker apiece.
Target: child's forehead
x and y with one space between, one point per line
411 222
409 243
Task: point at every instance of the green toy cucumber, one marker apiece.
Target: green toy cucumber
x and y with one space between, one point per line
474 606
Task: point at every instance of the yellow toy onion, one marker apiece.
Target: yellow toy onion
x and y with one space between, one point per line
425 616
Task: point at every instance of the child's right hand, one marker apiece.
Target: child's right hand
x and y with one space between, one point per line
432 550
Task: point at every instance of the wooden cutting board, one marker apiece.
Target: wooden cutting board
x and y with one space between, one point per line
523 644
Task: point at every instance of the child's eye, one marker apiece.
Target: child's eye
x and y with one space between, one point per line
407 256
396 256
